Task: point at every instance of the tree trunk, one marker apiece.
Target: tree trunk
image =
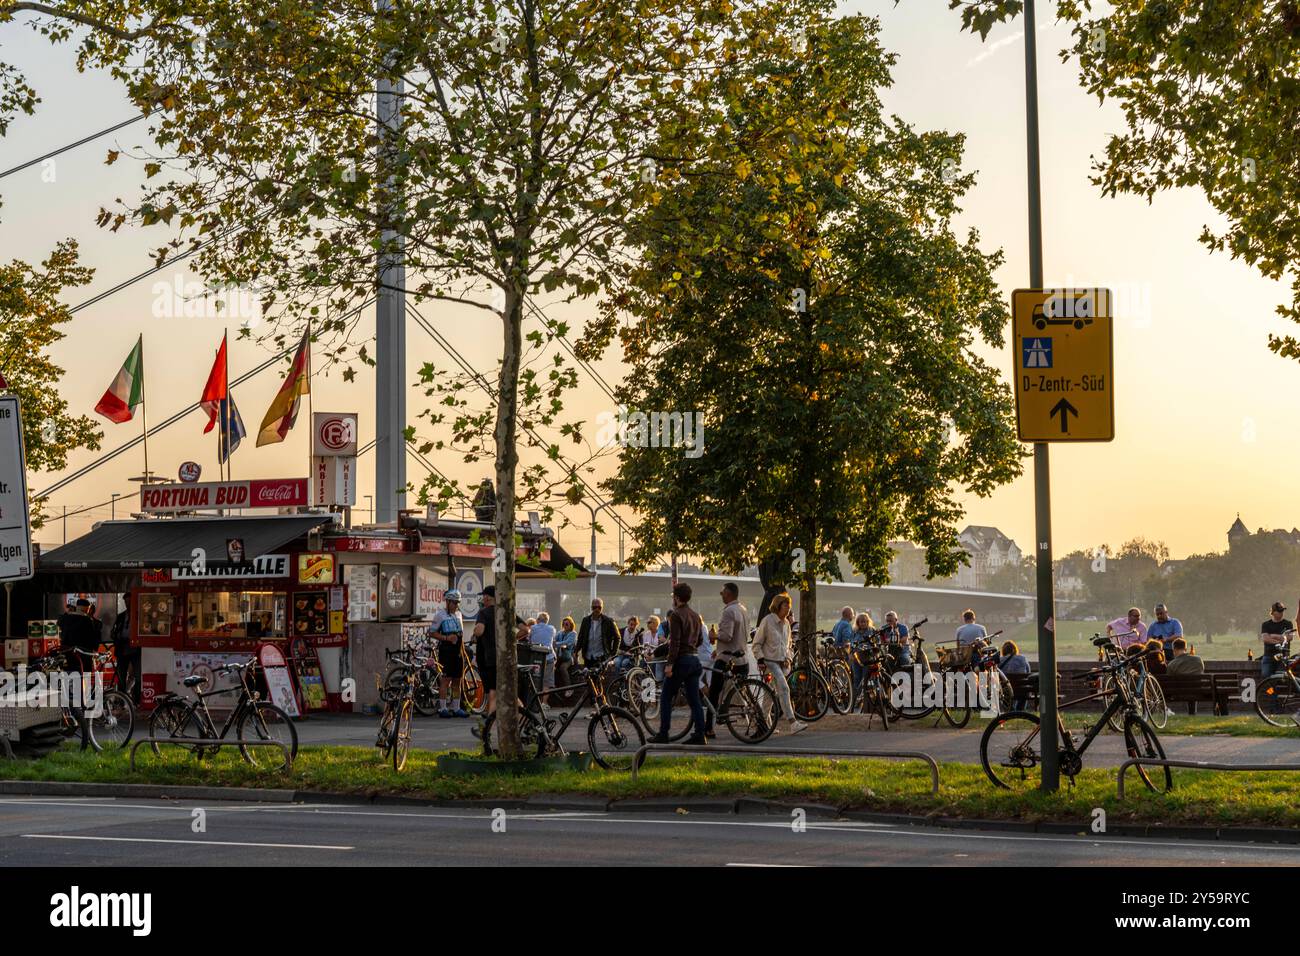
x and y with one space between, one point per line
807 623
507 459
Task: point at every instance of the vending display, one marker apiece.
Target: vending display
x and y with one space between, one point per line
310 613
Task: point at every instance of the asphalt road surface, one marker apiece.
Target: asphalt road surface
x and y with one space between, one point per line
943 743
38 831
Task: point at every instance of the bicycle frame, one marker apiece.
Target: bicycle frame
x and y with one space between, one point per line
200 706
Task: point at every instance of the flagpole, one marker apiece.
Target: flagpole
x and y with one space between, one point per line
144 410
230 405
311 423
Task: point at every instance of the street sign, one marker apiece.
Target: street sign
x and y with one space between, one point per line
15 522
1064 364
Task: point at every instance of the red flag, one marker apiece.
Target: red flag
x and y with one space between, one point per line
214 393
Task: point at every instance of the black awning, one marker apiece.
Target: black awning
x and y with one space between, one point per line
170 543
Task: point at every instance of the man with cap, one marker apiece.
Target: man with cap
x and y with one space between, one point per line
1165 629
485 647
78 630
1276 633
448 629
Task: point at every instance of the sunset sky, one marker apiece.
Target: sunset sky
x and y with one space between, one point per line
1204 410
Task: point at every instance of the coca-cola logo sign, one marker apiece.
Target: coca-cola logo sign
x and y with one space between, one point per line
278 493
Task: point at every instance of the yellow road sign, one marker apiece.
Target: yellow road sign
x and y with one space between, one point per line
1064 364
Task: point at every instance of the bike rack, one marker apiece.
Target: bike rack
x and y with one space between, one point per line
193 741
788 752
1192 765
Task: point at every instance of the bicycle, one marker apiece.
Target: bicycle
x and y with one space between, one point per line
394 739
176 717
613 733
874 698
425 671
919 660
1146 690
112 728
1011 744
834 664
747 705
1277 697
982 660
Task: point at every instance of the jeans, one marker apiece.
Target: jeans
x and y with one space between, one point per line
902 653
686 677
1267 666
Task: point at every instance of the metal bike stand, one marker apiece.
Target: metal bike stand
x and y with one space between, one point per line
787 752
201 742
1192 765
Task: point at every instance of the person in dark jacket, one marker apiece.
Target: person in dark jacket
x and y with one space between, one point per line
682 667
597 636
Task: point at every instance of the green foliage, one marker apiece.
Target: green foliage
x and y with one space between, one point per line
803 292
31 313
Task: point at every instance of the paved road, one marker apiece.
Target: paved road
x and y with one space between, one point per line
90 832
944 744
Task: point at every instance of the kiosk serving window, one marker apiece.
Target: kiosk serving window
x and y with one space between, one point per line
236 614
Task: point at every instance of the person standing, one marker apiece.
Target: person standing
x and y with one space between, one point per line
733 635
842 632
1165 629
78 631
1129 630
682 666
543 635
772 647
448 629
1275 632
485 647
597 636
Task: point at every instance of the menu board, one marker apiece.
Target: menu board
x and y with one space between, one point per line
363 592
310 613
154 615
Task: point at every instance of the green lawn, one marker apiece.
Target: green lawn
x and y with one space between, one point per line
1202 725
1261 799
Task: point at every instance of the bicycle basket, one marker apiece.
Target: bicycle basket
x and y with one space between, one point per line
956 656
532 655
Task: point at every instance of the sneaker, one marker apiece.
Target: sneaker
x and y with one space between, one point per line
459 712
657 739
797 727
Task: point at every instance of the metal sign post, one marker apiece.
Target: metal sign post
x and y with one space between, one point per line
16 562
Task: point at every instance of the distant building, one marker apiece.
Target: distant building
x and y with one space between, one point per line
1239 532
988 549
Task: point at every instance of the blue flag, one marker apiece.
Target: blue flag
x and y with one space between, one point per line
232 429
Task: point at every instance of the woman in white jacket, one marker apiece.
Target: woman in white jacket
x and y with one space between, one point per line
772 647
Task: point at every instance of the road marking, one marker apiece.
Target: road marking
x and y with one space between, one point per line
771 866
108 839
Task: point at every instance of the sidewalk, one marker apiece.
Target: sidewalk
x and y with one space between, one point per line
944 743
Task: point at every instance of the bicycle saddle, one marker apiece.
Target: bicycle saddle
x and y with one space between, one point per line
195 680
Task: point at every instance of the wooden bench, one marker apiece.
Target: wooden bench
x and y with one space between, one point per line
1214 687
1025 687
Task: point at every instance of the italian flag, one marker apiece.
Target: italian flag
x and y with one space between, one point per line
127 391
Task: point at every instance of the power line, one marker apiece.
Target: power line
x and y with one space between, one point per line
148 272
81 142
599 379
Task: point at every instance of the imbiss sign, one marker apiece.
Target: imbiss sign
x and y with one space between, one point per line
209 495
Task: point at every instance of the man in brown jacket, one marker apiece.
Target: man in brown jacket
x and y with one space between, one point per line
682 668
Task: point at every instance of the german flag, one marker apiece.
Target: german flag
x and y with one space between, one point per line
282 414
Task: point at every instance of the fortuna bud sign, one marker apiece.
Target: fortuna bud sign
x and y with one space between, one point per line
204 496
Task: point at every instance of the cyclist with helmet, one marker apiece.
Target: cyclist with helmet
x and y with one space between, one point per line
448 630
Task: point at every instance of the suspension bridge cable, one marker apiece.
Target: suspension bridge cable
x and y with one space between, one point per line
81 142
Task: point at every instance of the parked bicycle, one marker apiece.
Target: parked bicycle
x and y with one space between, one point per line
394 739
1277 697
614 734
979 658
252 718
872 697
1010 749
112 722
424 671
1143 687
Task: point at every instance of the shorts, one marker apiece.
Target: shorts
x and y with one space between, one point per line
450 660
488 678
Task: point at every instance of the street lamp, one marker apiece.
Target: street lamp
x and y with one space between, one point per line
594 511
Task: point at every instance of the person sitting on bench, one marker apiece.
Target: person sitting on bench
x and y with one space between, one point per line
1185 664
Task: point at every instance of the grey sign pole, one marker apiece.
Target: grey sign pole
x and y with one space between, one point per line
1042 474
390 317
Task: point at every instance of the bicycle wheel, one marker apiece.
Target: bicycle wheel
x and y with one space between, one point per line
1153 699
471 691
425 693
918 670
395 681
809 695
263 721
533 738
175 718
840 680
614 735
116 722
1277 700
384 741
1141 741
749 710
643 694
1010 752
876 699
402 734
1115 720
688 724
